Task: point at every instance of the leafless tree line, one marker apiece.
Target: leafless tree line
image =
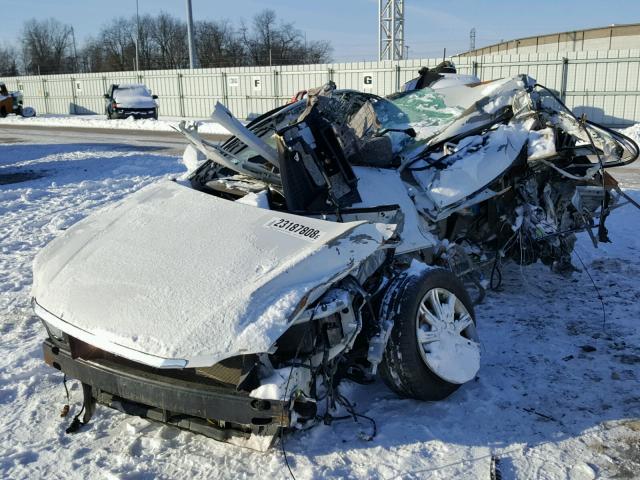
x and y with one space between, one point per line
48 46
8 62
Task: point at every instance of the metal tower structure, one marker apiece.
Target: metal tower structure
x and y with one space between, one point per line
472 39
391 30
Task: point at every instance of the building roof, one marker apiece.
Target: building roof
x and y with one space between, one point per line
614 30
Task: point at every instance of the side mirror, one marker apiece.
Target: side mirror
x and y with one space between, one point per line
106 95
155 97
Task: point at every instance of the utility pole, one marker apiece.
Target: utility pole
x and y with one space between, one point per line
137 37
192 50
472 39
75 52
390 29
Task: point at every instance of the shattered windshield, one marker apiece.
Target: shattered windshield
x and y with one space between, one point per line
423 110
426 109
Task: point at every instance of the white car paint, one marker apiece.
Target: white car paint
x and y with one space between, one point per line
473 166
175 277
378 187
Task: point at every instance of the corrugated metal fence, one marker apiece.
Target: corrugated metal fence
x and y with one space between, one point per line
603 84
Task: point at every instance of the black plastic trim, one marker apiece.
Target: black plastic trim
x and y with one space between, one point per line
175 396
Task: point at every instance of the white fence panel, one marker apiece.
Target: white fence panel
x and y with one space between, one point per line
603 85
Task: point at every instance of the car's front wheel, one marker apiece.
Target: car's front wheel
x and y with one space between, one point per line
433 348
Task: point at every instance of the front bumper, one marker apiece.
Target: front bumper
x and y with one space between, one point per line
188 403
136 113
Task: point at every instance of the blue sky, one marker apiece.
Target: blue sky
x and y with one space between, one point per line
351 24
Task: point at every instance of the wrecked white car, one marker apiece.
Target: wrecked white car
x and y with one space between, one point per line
336 237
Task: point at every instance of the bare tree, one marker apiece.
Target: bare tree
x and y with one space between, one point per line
91 57
46 46
259 41
170 36
147 49
318 51
114 48
273 43
162 44
8 61
218 45
118 40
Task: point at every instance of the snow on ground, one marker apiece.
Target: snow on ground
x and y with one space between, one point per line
163 124
558 394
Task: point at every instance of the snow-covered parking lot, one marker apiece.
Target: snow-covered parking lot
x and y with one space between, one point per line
558 394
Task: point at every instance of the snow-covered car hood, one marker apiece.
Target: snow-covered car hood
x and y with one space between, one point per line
135 101
173 277
133 96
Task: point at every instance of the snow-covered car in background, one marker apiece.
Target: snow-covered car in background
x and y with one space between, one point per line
335 237
130 100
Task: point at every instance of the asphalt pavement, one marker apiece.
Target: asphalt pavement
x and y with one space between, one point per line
169 142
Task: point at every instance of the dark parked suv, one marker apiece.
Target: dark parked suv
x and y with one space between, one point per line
130 100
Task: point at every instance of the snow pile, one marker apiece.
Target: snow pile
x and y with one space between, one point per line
192 158
259 200
276 386
541 144
100 121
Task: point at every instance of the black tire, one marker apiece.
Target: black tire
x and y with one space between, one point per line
3 112
155 114
403 369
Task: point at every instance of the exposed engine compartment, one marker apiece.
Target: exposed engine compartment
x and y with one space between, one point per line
510 174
